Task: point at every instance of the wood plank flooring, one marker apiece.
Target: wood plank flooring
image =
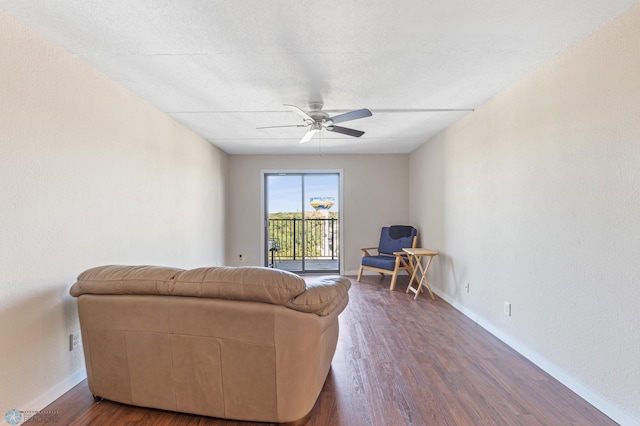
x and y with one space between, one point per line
398 362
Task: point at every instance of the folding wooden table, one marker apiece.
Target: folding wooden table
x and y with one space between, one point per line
415 257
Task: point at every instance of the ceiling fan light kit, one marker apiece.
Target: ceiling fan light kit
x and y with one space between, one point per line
317 120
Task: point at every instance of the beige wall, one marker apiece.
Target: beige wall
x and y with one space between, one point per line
375 193
89 175
535 199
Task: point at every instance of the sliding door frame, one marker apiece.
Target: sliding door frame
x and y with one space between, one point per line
263 208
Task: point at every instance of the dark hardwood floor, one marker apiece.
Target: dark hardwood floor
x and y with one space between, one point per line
398 362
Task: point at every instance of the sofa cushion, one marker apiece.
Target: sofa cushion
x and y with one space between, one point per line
256 284
118 279
252 283
322 296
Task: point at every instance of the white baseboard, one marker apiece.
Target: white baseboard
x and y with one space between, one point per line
39 403
616 414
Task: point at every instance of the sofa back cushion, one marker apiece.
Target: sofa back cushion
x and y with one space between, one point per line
117 279
255 284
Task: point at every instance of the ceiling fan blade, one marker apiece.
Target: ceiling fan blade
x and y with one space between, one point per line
289 125
307 136
352 115
346 131
299 112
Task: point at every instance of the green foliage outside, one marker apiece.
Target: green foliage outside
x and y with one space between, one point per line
285 229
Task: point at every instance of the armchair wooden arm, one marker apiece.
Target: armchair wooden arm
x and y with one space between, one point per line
365 251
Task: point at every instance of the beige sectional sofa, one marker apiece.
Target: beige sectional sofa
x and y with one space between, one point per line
248 343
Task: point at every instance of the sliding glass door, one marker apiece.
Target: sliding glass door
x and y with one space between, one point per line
302 221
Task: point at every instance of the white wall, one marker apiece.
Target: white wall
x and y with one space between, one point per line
375 189
89 175
535 199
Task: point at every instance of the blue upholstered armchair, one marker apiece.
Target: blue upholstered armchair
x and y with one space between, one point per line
390 258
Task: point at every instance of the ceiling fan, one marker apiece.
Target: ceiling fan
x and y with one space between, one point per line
316 120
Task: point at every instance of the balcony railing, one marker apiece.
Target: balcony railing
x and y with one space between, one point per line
320 242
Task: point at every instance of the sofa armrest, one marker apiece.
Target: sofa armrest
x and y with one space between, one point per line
323 296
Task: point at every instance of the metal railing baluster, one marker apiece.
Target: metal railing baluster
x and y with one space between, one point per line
320 239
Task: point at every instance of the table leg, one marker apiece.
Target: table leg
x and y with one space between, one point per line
414 274
423 278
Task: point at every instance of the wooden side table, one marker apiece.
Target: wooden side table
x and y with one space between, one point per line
416 255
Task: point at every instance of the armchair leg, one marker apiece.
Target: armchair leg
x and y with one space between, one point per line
395 272
393 280
360 273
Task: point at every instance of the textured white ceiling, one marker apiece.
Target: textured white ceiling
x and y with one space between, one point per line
224 68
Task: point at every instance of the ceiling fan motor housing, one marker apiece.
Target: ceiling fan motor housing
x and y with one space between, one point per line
315 106
316 112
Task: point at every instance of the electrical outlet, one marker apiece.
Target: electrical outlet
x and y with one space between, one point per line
466 287
240 258
507 308
75 340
